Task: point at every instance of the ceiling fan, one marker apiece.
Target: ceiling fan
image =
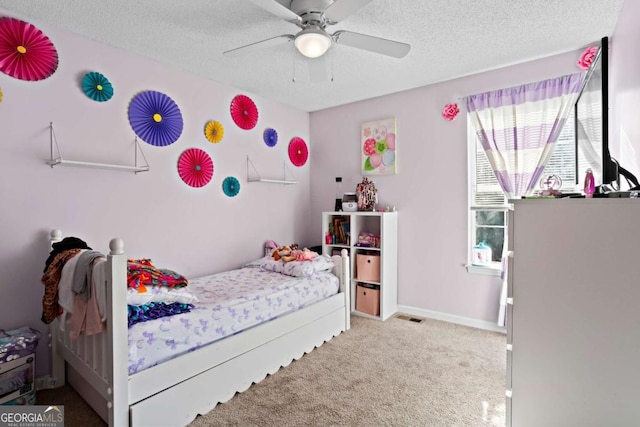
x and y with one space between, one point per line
313 40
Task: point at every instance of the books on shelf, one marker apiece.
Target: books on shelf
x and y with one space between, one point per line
341 230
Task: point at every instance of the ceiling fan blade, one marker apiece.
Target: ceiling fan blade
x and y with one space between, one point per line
372 44
253 47
275 8
339 10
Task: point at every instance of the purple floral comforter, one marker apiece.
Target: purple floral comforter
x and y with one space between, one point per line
228 303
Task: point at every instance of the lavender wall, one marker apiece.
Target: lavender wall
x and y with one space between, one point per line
193 231
430 192
624 88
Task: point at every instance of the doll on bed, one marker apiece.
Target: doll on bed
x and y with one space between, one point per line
293 253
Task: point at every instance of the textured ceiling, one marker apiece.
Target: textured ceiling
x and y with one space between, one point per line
448 39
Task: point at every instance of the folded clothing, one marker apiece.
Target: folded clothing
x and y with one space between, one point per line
142 273
155 310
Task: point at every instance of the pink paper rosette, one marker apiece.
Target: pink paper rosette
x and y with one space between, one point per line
587 57
450 111
195 167
244 112
25 52
298 152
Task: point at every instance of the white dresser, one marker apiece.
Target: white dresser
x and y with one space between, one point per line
573 313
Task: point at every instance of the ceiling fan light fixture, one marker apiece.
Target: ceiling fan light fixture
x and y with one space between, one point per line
312 42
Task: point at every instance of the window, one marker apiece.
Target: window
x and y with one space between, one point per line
487 205
487 202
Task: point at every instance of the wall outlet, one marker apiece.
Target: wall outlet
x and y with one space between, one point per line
46 382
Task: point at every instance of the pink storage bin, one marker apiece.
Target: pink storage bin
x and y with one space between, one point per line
368 267
368 299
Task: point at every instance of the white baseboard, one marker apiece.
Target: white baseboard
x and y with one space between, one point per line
452 318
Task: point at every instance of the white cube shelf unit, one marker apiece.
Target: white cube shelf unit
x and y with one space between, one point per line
344 229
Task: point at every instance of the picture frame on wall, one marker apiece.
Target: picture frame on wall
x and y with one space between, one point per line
379 147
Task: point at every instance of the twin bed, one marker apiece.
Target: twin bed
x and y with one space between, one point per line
246 324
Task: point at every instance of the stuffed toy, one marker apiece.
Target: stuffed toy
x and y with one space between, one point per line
304 255
292 253
283 253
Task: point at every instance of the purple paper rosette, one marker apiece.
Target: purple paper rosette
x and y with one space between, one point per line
270 137
155 118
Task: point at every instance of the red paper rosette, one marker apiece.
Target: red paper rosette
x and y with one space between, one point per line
244 112
298 152
195 167
25 52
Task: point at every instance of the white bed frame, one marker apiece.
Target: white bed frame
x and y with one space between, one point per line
175 392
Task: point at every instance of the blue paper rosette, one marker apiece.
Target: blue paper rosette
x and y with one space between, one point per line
97 87
155 118
270 137
231 186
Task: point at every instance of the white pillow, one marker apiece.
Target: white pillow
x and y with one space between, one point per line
163 294
299 268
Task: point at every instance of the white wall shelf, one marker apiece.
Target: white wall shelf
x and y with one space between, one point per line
255 177
56 158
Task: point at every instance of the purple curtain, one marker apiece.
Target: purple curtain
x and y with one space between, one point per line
519 126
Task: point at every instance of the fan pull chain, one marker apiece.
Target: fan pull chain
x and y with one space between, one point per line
293 62
332 55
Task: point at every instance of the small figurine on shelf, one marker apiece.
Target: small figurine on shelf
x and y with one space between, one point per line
550 186
589 184
367 195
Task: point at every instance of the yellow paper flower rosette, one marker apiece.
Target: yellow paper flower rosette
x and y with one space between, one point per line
214 131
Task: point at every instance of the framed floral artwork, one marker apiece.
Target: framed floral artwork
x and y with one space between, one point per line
379 147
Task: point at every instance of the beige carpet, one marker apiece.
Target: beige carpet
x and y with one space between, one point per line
392 373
